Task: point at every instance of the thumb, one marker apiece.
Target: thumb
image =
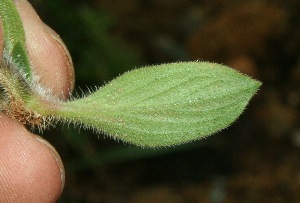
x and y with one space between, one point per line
30 169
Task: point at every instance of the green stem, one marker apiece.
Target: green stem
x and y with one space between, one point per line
15 50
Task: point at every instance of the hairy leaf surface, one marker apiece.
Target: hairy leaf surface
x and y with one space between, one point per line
166 104
15 50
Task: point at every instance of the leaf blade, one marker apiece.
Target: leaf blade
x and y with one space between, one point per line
165 105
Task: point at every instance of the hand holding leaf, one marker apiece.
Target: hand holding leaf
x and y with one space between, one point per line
153 106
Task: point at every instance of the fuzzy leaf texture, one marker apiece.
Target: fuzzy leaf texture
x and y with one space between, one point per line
15 51
165 105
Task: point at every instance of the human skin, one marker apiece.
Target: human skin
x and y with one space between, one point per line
30 168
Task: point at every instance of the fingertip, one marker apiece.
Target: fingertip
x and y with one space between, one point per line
30 170
56 157
67 59
50 60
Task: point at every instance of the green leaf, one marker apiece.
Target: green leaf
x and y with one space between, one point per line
165 105
15 50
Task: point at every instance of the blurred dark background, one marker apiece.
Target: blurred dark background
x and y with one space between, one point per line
257 159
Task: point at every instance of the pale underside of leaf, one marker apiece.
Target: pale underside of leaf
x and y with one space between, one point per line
165 105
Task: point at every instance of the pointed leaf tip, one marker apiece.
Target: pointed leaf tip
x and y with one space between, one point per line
165 105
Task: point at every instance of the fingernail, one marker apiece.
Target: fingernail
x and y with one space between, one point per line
57 159
70 68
